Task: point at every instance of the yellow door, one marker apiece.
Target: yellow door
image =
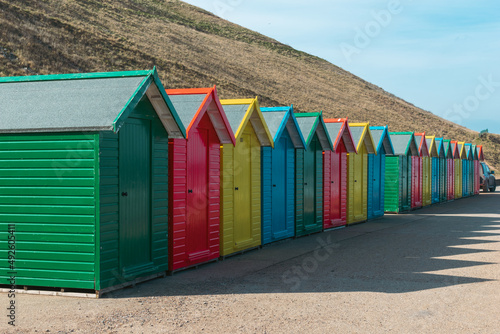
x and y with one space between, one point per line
358 185
242 190
458 173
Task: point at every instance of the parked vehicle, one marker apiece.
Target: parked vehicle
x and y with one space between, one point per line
487 178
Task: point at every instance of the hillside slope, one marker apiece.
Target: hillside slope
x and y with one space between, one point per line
193 48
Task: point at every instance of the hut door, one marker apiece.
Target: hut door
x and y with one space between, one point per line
310 186
197 188
358 184
335 187
279 172
243 189
377 185
405 181
135 196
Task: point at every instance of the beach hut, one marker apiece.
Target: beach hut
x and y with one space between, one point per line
357 173
434 172
421 170
309 174
335 173
278 174
450 153
469 175
241 215
194 177
376 170
476 170
397 196
461 169
457 169
84 178
442 167
480 157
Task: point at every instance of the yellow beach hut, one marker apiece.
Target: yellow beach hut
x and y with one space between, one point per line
240 172
357 173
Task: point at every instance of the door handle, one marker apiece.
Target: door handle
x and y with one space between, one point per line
274 185
236 188
190 191
305 183
124 194
333 181
355 180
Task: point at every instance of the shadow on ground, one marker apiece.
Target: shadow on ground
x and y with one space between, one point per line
395 254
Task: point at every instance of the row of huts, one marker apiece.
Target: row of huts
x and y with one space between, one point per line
108 178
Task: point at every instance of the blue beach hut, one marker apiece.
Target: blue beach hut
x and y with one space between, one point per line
278 174
376 170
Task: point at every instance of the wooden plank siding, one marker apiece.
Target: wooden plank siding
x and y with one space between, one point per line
47 190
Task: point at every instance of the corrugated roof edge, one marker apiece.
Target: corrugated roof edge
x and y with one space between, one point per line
208 91
366 132
317 122
384 134
284 121
344 128
315 125
151 76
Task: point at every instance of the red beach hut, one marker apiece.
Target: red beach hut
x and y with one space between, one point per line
449 151
477 166
335 173
194 177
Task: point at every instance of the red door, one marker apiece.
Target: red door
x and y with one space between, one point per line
337 188
451 179
197 186
416 185
198 227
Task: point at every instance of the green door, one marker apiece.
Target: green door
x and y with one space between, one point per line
135 196
310 185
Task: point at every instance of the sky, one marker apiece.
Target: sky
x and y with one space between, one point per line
442 56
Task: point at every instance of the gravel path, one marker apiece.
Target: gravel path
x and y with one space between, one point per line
434 270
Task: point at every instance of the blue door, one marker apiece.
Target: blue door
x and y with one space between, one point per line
279 187
435 180
377 202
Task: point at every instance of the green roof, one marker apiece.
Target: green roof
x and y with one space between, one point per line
81 102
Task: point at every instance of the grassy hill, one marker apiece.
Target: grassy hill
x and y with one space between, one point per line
194 48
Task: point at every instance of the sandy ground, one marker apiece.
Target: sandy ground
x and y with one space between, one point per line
436 270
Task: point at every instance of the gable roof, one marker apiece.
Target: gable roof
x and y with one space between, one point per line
475 152
448 148
423 150
280 118
454 149
468 151
192 104
461 150
440 148
362 135
480 153
82 102
312 123
404 143
431 145
241 111
382 139
339 129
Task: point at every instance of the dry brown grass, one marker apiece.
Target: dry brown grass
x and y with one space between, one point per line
193 48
